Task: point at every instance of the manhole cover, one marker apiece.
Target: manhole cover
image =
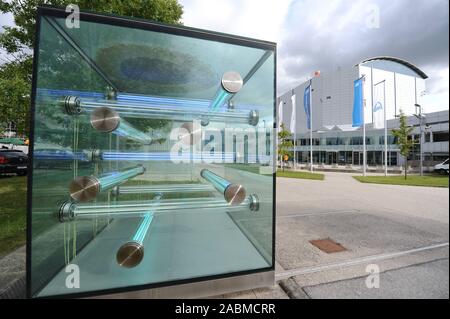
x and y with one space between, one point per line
328 245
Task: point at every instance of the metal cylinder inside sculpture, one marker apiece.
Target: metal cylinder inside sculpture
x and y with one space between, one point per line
233 193
105 119
86 188
131 253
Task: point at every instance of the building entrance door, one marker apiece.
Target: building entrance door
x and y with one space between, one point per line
331 158
357 158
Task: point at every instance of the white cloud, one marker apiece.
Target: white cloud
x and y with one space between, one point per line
437 97
325 34
6 20
260 19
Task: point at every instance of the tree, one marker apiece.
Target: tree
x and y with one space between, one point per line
14 96
404 141
284 144
17 42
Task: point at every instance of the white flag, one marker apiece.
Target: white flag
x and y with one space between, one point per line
378 106
280 114
293 117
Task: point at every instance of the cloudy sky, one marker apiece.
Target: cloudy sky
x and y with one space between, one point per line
326 34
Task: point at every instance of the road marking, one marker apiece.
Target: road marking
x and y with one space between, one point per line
356 261
351 211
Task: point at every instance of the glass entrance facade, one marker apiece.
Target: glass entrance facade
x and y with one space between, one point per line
346 148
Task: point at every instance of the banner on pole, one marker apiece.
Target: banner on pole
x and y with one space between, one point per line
307 105
357 116
293 125
378 106
280 114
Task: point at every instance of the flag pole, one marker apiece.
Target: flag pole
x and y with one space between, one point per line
310 127
294 105
377 125
385 130
364 128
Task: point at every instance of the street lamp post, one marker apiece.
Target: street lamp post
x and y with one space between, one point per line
420 117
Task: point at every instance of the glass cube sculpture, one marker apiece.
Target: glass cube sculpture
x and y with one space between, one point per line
152 155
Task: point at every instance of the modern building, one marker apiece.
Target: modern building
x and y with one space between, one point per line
336 142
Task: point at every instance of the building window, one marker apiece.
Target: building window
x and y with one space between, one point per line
370 140
440 136
356 140
306 141
392 158
440 157
332 141
392 140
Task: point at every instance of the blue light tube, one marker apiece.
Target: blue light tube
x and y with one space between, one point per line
218 182
220 99
233 193
132 209
105 119
142 230
115 178
173 102
176 113
166 188
86 188
163 101
131 253
126 130
165 156
59 93
59 155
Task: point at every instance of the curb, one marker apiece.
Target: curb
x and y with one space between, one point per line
292 289
15 290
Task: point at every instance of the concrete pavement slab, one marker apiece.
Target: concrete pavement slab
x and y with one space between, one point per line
427 280
12 267
361 234
357 267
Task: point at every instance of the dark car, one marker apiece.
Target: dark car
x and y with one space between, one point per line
13 161
58 159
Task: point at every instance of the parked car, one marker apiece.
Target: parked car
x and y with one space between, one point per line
58 159
13 161
442 168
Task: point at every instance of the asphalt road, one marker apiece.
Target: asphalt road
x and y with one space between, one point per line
402 231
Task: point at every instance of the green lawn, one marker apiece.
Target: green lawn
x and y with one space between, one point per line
413 180
252 168
13 205
301 175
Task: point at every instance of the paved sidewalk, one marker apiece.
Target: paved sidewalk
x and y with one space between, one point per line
428 280
12 274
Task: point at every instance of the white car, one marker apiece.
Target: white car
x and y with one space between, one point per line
442 168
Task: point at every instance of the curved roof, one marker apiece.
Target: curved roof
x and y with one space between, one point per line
403 62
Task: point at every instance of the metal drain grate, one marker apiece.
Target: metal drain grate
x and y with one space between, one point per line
328 245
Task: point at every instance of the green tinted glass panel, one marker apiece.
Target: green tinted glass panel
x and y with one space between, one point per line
153 156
